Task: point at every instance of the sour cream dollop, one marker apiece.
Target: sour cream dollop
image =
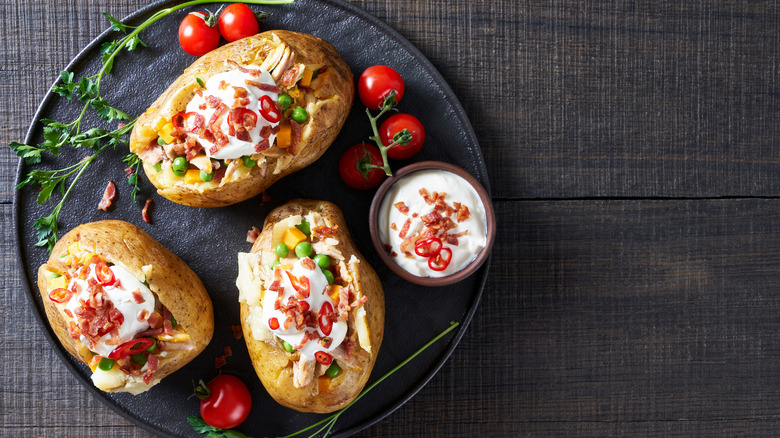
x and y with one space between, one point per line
122 299
410 208
317 297
223 86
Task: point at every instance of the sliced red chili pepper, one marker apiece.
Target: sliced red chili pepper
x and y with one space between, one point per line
440 261
323 357
104 274
269 110
135 346
273 323
326 325
428 247
240 114
60 295
188 122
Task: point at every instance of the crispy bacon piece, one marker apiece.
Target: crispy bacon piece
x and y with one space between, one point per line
265 198
252 235
148 376
240 93
152 361
108 196
137 297
405 228
264 87
143 315
213 101
262 145
308 263
145 211
237 332
321 232
253 72
297 134
167 326
401 207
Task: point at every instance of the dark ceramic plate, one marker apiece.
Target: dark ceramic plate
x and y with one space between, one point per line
208 239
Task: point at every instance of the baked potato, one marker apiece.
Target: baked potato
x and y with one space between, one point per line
312 309
124 305
221 133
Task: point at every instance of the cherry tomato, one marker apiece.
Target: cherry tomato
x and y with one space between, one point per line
227 402
237 21
376 83
354 170
397 123
196 36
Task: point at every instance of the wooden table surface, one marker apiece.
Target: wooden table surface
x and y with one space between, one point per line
632 153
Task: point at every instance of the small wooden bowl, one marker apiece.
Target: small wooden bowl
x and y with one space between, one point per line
490 220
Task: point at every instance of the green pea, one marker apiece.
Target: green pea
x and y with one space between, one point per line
303 249
161 142
284 101
158 167
304 227
300 115
275 264
180 166
206 177
248 161
328 276
333 370
281 250
322 261
287 347
106 364
139 358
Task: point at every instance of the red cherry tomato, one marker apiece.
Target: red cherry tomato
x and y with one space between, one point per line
376 83
237 21
354 166
196 36
397 123
227 404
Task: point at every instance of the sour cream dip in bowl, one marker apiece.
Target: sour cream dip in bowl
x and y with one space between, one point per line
432 223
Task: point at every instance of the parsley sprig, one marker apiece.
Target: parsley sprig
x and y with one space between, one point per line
56 134
325 425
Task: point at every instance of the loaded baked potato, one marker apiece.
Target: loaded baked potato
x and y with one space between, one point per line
312 309
243 116
124 305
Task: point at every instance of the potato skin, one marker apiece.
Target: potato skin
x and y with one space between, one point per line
334 100
272 363
175 284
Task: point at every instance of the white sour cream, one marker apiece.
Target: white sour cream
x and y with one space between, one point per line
407 190
317 296
221 86
122 298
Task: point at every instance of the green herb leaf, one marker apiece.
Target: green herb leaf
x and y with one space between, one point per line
230 433
199 425
106 112
134 42
116 24
262 16
200 82
30 154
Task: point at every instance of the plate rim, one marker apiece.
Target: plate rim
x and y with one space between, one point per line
73 366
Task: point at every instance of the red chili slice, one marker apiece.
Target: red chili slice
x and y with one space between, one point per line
135 346
323 357
326 325
188 122
60 295
104 274
273 323
269 110
440 261
428 247
239 114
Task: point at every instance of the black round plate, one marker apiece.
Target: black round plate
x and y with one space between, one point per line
208 239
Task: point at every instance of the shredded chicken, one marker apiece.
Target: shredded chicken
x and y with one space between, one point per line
303 372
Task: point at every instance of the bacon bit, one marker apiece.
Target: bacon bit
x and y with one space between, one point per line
167 321
265 131
289 76
388 248
463 213
220 361
359 302
349 347
322 231
326 342
401 207
108 196
237 332
155 320
67 312
147 376
152 332
415 215
222 85
228 351
307 336
145 211
393 254
265 198
253 72
262 145
202 106
221 108
129 171
297 134
73 330
95 360
137 297
405 228
252 235
308 264
143 315
240 92
213 101
152 361
199 92
264 87
393 226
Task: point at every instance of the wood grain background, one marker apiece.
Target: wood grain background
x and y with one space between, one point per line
632 151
